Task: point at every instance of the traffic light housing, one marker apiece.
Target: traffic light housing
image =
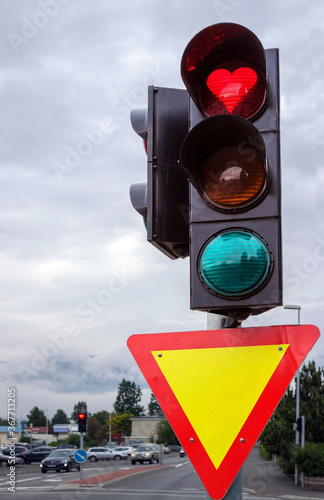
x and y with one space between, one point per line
82 422
231 156
163 201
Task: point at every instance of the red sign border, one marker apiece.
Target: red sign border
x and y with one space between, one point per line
300 339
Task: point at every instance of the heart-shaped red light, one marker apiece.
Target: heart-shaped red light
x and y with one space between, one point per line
231 88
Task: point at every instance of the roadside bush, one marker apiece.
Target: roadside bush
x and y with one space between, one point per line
264 453
310 459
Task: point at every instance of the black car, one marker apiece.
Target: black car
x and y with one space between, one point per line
7 460
35 455
60 460
14 449
174 447
67 447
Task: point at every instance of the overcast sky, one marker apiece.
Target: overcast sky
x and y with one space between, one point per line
77 274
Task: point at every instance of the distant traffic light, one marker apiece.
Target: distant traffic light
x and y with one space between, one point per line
231 156
163 201
82 422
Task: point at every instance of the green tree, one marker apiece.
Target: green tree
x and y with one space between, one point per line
166 433
36 417
80 406
74 439
279 435
102 416
312 401
153 407
95 430
60 417
3 421
121 424
128 399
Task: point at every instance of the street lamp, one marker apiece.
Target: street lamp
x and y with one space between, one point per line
297 439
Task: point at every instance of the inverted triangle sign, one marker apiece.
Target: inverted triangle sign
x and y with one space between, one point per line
218 389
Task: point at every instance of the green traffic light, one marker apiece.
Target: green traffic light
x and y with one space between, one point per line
234 263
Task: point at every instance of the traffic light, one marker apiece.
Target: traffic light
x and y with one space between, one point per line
82 422
231 156
163 201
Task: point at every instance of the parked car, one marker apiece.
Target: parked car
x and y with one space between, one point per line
133 443
145 453
58 460
18 448
127 449
7 460
165 449
35 455
67 447
97 453
174 447
111 445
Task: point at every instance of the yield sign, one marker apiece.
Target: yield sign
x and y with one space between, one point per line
218 389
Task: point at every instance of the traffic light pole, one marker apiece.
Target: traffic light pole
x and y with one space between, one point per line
81 465
235 491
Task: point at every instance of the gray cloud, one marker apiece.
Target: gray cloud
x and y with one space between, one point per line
74 258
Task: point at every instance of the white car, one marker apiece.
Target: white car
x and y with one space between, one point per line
126 449
97 453
145 453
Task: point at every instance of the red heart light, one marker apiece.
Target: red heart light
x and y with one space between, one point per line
231 88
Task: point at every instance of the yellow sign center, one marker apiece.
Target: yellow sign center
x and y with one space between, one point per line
217 388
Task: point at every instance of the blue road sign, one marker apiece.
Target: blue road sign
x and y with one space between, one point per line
80 456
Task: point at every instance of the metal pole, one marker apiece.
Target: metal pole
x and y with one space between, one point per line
31 437
297 406
303 446
81 465
297 437
216 322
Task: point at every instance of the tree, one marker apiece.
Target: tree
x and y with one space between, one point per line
80 406
121 425
166 433
74 439
93 427
153 407
36 417
60 417
128 399
312 401
279 437
102 416
3 421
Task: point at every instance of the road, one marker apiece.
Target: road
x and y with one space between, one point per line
177 480
31 483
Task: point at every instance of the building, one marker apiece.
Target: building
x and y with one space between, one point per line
6 438
144 429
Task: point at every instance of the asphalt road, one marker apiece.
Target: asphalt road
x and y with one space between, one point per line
31 483
177 480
